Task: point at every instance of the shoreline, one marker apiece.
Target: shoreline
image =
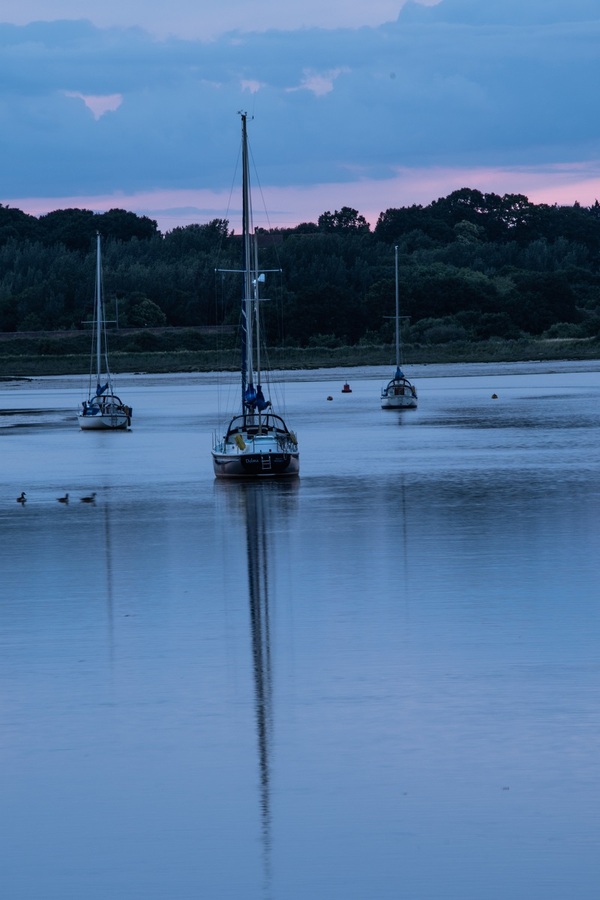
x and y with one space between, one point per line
32 364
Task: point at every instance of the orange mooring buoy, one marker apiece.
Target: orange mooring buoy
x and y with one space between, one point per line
346 389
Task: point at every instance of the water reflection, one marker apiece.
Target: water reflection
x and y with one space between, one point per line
257 549
313 690
110 613
264 510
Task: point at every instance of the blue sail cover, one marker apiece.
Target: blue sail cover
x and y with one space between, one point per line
399 373
261 403
100 389
255 399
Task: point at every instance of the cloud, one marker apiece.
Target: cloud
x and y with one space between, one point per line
207 20
287 205
508 12
319 83
459 86
98 106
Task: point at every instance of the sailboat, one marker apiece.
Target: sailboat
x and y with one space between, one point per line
102 409
257 442
399 393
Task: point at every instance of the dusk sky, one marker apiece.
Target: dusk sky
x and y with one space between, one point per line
370 105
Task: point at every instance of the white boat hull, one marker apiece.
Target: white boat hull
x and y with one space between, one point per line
398 402
255 465
247 452
103 422
399 394
105 414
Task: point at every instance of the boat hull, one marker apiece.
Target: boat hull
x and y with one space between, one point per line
104 413
255 465
399 394
104 422
256 446
398 402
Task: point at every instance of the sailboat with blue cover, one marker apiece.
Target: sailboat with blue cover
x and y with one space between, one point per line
399 392
102 410
257 442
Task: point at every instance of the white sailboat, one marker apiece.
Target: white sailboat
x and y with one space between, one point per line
398 393
102 409
257 442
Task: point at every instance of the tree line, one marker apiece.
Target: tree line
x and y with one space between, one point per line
471 266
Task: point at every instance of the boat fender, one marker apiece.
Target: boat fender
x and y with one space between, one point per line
240 442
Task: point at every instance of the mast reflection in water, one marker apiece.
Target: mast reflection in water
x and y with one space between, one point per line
258 587
264 507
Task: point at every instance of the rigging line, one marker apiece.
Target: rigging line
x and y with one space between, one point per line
274 385
257 183
221 296
224 382
272 246
228 208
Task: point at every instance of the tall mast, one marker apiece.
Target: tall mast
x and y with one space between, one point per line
256 297
397 310
99 321
247 323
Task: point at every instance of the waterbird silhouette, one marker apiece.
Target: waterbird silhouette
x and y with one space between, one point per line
64 499
22 499
90 499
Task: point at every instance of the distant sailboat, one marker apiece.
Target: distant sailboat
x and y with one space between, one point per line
257 443
399 393
102 409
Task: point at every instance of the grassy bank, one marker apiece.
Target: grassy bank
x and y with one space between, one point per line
39 356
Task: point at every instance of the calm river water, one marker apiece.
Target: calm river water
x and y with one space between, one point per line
379 683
